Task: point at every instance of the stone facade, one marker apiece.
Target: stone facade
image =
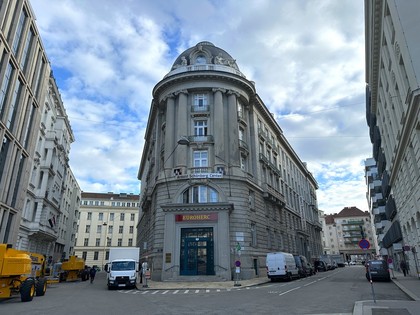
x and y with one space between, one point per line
220 184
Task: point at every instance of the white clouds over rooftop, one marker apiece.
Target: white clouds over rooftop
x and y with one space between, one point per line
306 57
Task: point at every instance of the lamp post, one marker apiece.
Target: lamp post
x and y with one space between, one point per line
183 140
105 225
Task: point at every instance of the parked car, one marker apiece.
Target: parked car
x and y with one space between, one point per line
377 270
281 265
311 268
320 265
301 265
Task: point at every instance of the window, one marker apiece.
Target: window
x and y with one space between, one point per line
121 216
200 194
95 255
84 255
131 229
110 229
101 216
200 101
120 229
111 216
108 241
253 235
98 242
243 162
201 59
241 133
200 128
120 242
200 159
89 215
86 242
87 229
132 216
96 203
130 242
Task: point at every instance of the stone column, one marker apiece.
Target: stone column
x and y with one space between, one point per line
232 129
181 128
219 122
170 141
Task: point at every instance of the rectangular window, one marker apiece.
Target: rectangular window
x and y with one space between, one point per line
121 216
120 242
200 158
98 242
200 100
253 235
131 229
111 216
120 229
108 241
99 228
101 216
110 229
19 31
5 85
132 217
86 242
200 128
89 215
95 255
84 255
13 106
130 242
87 229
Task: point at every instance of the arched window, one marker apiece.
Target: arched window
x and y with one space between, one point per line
200 194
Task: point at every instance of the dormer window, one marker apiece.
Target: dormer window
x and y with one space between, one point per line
201 59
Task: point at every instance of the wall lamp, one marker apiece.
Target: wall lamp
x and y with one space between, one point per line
183 140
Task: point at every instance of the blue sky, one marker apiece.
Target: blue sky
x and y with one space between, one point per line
306 58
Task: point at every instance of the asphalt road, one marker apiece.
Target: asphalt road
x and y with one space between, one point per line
332 292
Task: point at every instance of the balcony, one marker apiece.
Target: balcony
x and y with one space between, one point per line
354 222
200 139
379 210
390 208
269 193
200 108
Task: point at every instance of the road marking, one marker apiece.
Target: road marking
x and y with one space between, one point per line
305 285
196 291
144 292
186 291
175 292
218 290
289 291
164 292
154 292
207 291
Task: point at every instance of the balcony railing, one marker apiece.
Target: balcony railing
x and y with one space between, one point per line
200 139
200 108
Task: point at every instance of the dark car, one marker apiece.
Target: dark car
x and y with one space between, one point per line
301 265
320 265
377 270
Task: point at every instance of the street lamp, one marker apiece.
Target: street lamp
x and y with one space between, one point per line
183 140
105 225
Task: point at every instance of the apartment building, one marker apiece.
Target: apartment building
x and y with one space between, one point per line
220 184
343 231
105 220
393 117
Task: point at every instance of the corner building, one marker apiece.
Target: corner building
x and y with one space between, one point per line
220 184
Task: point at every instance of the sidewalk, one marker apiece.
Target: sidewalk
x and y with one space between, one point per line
410 285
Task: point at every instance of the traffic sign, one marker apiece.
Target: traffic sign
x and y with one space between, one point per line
364 244
237 263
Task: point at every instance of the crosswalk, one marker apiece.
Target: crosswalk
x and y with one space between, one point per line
180 291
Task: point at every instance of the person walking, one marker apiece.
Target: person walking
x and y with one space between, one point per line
92 274
403 267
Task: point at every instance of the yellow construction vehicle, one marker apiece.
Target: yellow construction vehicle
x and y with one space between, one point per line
38 273
15 274
72 269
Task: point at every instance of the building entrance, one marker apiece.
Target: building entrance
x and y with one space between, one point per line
197 252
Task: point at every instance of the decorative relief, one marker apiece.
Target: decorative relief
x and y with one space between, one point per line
397 50
232 92
214 90
181 91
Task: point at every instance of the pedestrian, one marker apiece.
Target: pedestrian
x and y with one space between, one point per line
403 267
92 274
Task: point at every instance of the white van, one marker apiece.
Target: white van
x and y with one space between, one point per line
281 265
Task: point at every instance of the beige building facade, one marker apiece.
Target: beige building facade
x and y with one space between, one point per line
105 220
24 75
220 184
393 116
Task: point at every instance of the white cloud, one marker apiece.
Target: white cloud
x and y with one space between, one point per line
306 57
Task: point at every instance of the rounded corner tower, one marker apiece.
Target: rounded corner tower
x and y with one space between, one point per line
205 169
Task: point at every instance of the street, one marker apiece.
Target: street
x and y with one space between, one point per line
330 292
